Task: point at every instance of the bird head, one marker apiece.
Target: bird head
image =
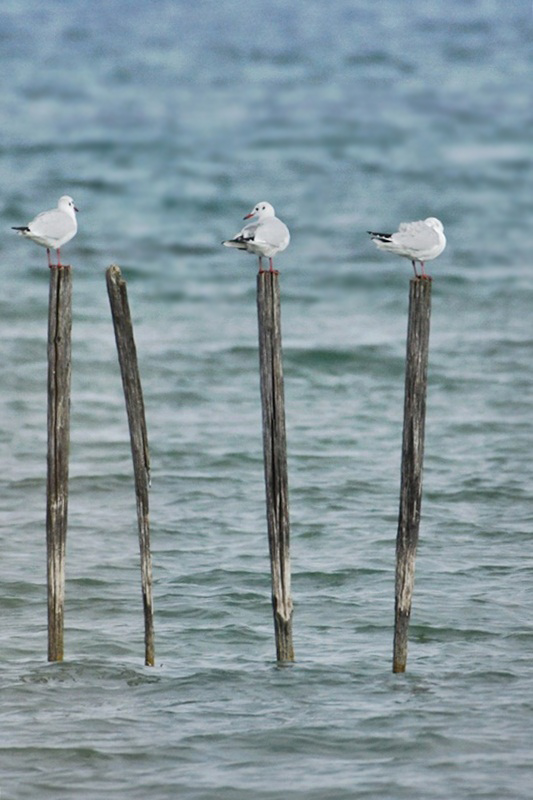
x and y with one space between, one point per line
66 202
261 210
434 223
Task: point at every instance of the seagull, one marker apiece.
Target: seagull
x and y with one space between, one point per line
265 237
419 241
54 228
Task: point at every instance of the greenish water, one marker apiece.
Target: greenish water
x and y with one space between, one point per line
167 122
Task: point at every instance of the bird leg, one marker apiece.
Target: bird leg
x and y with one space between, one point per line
413 262
261 270
275 271
59 265
48 254
424 275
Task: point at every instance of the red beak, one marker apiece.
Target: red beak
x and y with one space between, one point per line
251 214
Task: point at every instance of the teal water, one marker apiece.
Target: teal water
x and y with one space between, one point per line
167 122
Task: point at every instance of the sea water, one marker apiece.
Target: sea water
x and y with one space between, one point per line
167 122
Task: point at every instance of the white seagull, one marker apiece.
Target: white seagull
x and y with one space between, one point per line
54 228
265 237
418 241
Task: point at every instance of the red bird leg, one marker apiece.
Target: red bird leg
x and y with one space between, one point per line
48 254
270 265
59 264
261 270
413 262
423 272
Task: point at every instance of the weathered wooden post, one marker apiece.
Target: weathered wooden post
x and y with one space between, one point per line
275 458
127 355
59 374
412 462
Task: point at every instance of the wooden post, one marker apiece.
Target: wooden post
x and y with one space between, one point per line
275 456
59 373
412 462
127 356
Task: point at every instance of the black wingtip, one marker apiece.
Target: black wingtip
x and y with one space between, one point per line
383 237
23 228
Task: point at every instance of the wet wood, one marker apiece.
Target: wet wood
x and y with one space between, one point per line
275 459
412 462
127 355
59 379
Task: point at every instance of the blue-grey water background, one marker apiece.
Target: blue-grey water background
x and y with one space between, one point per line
167 121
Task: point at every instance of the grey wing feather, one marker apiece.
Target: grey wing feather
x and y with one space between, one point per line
415 236
273 232
248 232
240 239
53 224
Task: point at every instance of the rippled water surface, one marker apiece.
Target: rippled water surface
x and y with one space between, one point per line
167 122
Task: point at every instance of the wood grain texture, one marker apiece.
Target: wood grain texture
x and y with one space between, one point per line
127 356
412 462
275 458
59 379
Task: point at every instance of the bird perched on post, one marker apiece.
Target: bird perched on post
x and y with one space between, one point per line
418 241
54 228
267 236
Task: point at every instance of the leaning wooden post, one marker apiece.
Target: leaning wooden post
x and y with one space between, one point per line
127 355
412 461
275 457
59 373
